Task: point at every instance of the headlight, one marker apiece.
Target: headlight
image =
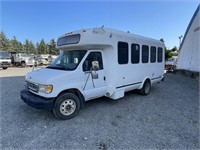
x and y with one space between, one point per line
45 88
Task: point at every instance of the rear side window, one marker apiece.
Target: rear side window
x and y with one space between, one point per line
93 56
135 53
153 54
122 53
160 54
145 54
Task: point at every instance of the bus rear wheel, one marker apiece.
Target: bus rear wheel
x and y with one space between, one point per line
145 90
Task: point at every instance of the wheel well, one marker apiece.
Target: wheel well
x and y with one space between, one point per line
77 93
148 80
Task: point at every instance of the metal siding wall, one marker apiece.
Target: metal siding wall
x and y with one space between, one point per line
189 54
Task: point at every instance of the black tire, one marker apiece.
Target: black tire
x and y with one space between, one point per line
4 68
66 106
23 64
146 88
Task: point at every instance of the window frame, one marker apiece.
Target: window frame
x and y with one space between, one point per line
126 61
145 62
138 56
69 39
160 56
153 60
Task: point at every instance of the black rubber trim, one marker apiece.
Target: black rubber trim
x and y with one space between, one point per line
156 78
128 85
136 83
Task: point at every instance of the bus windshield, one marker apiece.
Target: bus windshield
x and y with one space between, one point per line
68 60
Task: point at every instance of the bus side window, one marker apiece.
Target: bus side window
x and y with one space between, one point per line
145 53
160 54
122 53
153 54
135 53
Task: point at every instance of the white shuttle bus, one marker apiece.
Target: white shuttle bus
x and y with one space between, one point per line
94 63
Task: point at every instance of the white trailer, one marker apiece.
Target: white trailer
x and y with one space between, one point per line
94 63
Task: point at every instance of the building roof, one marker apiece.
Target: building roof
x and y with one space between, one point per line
187 30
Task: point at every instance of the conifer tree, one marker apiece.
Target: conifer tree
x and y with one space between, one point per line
4 42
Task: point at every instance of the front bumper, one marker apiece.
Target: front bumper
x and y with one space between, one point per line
37 101
5 65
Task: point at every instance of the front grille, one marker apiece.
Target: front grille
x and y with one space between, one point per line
5 63
32 87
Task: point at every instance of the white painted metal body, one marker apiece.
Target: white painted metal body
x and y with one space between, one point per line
23 57
5 60
114 79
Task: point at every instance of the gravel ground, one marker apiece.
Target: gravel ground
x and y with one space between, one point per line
168 118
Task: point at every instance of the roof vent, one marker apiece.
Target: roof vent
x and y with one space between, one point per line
98 30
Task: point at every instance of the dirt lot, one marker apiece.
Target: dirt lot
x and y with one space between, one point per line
168 118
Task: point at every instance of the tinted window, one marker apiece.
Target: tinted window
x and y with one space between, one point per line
145 54
160 54
135 53
122 53
153 54
70 39
93 56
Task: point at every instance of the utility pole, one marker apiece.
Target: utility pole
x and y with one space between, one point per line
180 40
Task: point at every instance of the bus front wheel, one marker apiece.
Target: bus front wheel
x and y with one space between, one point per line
66 106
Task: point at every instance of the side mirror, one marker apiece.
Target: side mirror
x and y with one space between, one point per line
95 65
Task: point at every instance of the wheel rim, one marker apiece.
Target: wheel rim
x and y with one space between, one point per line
68 107
147 88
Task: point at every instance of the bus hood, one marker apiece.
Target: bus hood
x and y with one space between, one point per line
46 75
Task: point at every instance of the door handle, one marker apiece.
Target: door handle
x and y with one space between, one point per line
104 78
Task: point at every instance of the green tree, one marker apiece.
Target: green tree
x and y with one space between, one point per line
174 49
42 47
32 49
21 47
52 48
4 42
15 45
29 47
37 47
162 40
26 46
168 54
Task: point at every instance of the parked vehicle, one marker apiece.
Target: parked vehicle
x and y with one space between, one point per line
23 59
170 64
45 59
5 60
94 63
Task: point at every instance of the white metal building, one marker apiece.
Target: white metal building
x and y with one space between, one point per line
189 56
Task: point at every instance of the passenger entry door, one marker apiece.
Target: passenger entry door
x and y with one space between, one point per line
93 88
